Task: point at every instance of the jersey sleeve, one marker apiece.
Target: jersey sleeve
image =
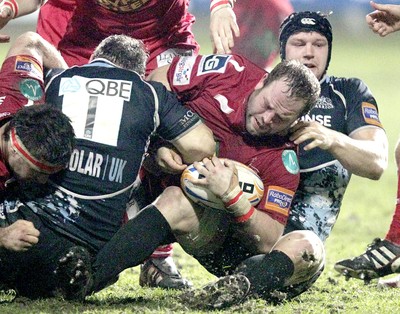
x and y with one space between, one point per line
21 84
362 108
175 119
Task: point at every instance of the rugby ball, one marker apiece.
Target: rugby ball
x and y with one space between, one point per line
249 182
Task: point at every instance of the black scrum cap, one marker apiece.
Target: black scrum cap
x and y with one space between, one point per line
305 22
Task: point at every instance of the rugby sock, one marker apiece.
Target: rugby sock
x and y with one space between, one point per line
393 234
131 245
267 272
163 251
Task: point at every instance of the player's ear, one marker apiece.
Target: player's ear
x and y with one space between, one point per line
261 83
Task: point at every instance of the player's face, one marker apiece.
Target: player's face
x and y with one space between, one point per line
23 171
311 49
270 110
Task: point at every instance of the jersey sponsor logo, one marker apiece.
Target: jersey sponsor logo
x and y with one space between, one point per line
324 103
97 87
308 21
2 98
96 165
290 161
31 89
27 65
370 113
183 71
325 120
187 119
279 199
213 64
166 56
69 85
223 104
87 103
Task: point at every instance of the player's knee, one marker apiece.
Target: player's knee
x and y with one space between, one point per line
174 206
307 252
171 198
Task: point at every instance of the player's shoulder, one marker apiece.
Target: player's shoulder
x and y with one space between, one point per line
343 83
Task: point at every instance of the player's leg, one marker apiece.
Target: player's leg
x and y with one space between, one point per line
382 257
33 273
154 225
159 270
292 266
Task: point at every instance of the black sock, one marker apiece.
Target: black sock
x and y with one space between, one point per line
131 245
267 272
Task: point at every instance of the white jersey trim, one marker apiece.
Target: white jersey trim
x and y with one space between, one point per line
97 197
320 166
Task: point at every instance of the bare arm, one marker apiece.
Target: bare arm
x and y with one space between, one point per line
385 19
223 28
19 236
197 144
364 153
10 9
33 44
193 146
255 228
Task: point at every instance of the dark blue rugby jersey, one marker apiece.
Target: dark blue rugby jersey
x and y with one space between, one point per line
345 105
114 113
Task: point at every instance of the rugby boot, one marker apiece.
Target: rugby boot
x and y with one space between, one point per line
162 273
225 292
380 259
74 273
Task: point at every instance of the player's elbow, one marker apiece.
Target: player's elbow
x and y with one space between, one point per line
376 171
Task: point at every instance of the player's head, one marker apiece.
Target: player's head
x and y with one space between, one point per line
307 36
124 51
39 141
288 92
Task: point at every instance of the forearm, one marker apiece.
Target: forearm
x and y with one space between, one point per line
255 228
196 145
259 233
365 158
21 8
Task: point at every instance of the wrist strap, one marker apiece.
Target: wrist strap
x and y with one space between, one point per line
245 217
215 5
13 6
237 204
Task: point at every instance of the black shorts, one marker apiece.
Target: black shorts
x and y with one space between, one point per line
31 273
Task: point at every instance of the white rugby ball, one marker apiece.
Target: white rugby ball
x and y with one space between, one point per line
249 182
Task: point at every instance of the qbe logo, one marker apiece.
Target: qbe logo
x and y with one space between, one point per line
213 64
